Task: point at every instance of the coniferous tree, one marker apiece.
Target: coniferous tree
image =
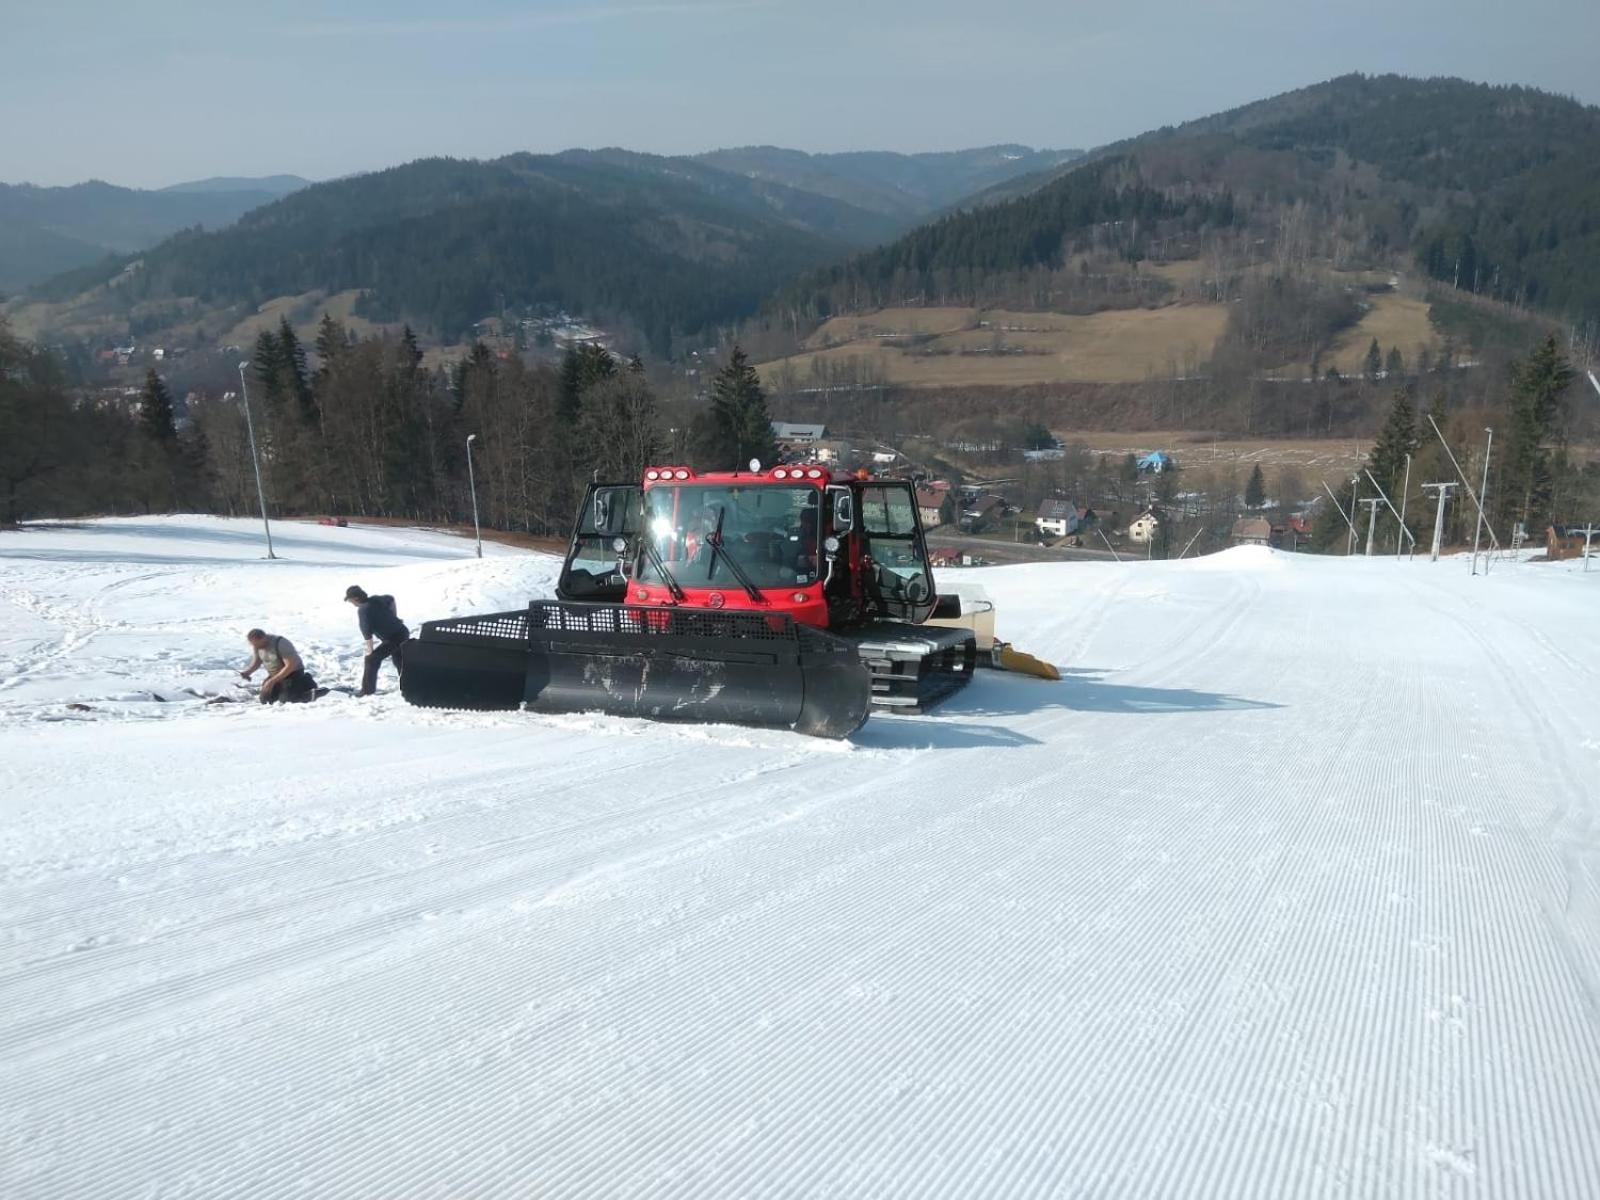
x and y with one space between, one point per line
1374 360
1386 461
478 366
583 366
1255 490
155 411
292 362
267 365
1394 365
739 427
1396 440
332 340
1538 399
154 453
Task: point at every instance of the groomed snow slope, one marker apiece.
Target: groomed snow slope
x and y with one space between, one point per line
1288 889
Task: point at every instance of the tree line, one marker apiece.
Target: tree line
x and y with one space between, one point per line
367 431
1533 480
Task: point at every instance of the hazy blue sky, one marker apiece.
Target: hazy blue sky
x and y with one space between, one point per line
148 94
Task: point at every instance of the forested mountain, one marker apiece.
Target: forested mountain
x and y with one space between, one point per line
903 186
658 246
47 230
273 185
1494 189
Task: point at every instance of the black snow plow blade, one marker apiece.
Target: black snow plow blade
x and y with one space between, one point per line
666 664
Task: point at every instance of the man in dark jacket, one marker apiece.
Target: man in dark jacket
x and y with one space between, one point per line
378 619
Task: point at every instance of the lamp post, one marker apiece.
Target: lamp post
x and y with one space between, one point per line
1483 498
255 459
472 486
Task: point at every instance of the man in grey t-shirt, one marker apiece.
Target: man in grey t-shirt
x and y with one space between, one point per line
286 680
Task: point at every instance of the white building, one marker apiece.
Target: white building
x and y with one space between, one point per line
1057 518
797 435
1143 527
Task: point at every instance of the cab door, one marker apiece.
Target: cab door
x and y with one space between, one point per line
595 568
900 581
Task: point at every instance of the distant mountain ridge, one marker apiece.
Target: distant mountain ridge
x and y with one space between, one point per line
664 247
276 185
47 230
905 186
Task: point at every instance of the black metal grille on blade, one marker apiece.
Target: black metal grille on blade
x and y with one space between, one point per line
663 621
498 627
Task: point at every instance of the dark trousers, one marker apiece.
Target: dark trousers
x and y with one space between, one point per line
388 648
294 688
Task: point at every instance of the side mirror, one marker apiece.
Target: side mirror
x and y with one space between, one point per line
844 511
610 511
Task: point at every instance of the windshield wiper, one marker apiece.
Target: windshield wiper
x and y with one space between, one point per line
661 568
733 564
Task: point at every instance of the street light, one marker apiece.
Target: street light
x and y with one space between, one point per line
472 486
255 459
1483 498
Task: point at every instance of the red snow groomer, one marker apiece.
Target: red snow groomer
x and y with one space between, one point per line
793 597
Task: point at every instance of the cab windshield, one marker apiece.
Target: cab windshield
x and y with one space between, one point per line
770 532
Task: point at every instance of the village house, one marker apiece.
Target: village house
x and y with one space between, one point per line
934 506
1143 527
786 433
982 512
1057 518
1251 531
1292 534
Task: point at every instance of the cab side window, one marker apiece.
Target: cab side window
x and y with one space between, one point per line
888 512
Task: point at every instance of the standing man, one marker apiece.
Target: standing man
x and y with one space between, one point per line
378 619
286 681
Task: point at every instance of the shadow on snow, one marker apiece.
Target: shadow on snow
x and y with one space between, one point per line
997 694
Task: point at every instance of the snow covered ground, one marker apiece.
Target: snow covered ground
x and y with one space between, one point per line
1290 888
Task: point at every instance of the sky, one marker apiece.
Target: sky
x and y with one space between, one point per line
147 95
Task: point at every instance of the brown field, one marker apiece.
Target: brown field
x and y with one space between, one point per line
1179 274
304 313
1330 458
1119 346
868 327
1394 319
80 317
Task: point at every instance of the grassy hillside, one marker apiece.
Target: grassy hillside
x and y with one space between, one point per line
1495 190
